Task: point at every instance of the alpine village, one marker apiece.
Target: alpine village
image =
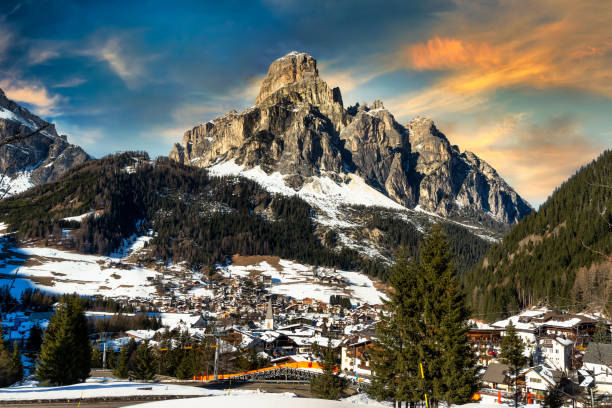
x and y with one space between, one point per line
301 250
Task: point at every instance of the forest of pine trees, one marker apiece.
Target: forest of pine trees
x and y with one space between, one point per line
422 344
198 219
559 255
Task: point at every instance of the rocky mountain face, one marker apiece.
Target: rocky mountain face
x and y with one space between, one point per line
300 129
38 159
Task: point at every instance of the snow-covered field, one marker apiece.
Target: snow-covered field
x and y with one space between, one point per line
253 401
58 271
299 281
93 389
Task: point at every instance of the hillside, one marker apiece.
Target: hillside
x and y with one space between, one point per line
559 255
200 219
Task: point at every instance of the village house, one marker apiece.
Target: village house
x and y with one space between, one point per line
356 357
555 352
539 380
598 362
497 377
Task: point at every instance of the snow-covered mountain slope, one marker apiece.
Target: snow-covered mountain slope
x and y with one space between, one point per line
37 159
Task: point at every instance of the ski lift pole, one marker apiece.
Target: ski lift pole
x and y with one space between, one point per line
424 391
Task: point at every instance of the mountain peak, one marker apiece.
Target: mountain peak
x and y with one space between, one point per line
293 67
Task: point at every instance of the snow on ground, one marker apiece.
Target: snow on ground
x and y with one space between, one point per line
265 400
102 389
321 192
58 271
299 281
18 182
79 218
252 400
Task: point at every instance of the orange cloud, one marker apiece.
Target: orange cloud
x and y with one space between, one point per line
33 94
533 158
451 53
546 44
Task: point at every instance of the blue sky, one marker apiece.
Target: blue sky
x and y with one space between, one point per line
526 86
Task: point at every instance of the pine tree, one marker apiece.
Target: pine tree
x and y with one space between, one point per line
34 340
122 367
512 354
458 380
144 364
185 368
395 362
96 357
65 356
329 385
16 364
425 324
447 360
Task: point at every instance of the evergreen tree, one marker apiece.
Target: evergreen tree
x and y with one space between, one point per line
144 365
513 354
65 356
11 369
448 364
458 379
34 340
395 362
185 368
96 358
426 323
329 385
602 335
16 364
122 367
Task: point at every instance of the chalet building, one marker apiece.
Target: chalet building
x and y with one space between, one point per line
497 377
485 343
540 379
356 357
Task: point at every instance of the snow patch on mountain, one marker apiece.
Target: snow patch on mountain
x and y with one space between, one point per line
321 191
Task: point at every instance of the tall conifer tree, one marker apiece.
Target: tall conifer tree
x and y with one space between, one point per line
513 354
395 359
65 356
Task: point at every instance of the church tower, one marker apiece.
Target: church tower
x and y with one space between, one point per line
269 322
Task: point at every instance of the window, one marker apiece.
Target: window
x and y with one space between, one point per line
535 380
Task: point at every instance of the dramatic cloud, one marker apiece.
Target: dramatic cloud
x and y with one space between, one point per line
484 47
34 94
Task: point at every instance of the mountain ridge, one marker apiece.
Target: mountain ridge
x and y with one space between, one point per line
38 159
299 128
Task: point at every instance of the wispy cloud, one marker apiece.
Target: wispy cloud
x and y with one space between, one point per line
32 93
70 83
126 63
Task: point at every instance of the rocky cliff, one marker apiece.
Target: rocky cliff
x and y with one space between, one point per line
300 129
37 159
